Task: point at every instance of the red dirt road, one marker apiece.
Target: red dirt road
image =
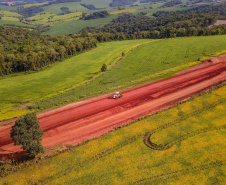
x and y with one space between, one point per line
92 118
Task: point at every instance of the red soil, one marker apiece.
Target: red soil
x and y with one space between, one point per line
95 117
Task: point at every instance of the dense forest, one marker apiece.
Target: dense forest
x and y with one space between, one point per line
24 50
194 22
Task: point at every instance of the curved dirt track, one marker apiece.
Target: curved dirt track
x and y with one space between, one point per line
92 118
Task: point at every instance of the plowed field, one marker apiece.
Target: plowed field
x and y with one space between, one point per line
92 118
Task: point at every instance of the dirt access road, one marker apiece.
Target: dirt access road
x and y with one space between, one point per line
92 118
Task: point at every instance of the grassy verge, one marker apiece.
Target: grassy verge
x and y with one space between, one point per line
121 157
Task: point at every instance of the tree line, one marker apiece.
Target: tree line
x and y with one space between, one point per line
182 23
97 15
24 50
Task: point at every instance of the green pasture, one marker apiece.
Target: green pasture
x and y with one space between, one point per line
79 76
98 3
75 26
73 7
51 19
11 18
4 13
121 157
12 21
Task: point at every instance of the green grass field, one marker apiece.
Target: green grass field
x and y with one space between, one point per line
4 13
51 19
69 27
79 77
13 21
11 18
121 157
73 7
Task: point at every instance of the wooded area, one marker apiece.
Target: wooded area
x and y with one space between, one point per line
25 50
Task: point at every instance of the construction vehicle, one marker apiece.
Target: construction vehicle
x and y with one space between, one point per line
117 95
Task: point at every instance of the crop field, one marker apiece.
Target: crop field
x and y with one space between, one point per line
51 19
9 14
69 23
8 17
193 134
79 77
69 27
11 18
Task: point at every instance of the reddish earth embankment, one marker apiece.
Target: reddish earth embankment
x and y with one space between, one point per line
96 117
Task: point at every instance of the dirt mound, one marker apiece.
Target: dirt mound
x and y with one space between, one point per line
221 58
90 119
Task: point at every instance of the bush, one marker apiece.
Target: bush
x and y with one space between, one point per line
104 68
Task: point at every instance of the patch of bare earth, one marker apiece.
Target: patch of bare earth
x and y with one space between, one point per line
219 22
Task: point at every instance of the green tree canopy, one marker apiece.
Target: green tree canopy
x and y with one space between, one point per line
27 132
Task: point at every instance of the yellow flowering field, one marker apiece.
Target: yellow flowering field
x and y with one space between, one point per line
195 129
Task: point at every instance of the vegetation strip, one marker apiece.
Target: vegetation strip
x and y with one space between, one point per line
94 158
184 171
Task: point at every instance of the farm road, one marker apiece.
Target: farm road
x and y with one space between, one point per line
93 118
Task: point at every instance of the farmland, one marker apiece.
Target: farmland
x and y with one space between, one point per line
58 25
121 157
51 19
76 26
67 80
